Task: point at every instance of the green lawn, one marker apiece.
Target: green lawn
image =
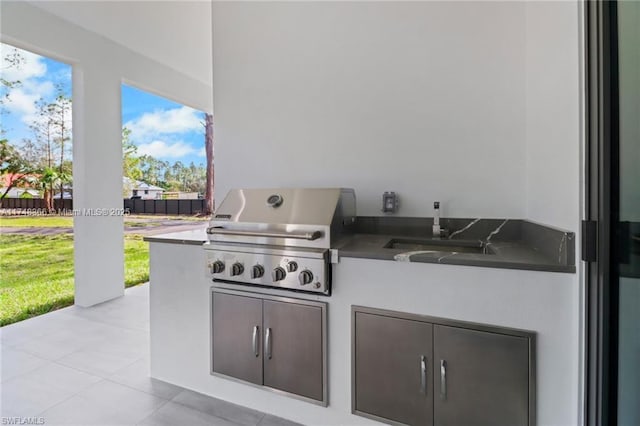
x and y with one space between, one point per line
36 272
37 221
136 260
67 221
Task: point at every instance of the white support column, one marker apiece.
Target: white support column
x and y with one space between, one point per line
97 185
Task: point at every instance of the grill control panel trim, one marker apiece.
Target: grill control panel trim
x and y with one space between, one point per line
311 274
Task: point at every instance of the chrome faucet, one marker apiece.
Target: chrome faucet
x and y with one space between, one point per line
437 231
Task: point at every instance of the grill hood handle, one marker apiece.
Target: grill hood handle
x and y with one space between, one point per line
310 236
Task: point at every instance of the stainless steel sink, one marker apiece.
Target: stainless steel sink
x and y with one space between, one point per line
451 246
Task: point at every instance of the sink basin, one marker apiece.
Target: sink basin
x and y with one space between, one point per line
438 245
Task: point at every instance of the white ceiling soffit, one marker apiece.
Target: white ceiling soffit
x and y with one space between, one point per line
176 33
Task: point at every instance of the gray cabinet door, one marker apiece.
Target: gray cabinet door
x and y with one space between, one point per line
293 357
481 378
236 351
393 368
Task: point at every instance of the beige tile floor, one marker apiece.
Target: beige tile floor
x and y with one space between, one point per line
90 366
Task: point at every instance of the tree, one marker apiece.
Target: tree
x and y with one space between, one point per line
130 158
46 155
171 177
52 131
130 163
60 111
208 148
48 178
13 59
12 165
43 130
156 172
30 151
149 169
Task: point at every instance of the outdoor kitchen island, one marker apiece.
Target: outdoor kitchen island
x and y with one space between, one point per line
527 292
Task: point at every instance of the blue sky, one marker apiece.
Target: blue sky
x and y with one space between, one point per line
40 78
161 128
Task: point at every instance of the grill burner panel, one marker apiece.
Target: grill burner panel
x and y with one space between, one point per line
279 237
270 267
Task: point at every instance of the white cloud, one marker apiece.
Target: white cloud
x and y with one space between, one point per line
33 65
163 122
161 149
44 89
30 71
21 102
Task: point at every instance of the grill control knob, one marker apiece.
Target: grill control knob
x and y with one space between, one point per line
217 267
305 277
237 269
278 274
292 266
257 271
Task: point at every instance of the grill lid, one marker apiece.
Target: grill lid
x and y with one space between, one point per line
308 217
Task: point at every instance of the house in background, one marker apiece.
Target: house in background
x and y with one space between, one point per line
67 194
139 189
179 195
20 193
19 184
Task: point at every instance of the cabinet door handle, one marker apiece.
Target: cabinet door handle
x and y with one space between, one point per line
423 374
254 341
443 379
267 343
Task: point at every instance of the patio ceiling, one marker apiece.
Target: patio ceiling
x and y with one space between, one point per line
159 30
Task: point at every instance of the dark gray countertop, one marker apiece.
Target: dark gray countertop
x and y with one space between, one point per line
510 255
511 243
193 237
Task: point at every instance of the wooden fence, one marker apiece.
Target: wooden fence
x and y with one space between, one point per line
135 206
34 204
172 207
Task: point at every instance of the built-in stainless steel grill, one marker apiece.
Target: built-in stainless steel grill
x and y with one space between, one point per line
279 237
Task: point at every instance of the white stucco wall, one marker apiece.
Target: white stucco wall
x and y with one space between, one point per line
554 93
424 98
99 68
